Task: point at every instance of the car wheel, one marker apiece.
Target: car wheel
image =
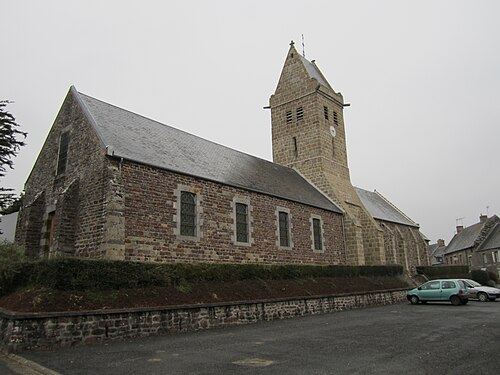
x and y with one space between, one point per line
455 300
413 300
483 297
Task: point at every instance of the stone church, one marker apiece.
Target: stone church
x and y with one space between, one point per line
112 184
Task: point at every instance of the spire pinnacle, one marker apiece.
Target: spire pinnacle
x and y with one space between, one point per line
292 43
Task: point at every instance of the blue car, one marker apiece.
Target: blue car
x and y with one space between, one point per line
452 290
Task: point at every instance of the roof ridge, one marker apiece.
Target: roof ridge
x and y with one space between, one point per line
87 112
395 216
313 64
185 132
321 74
492 231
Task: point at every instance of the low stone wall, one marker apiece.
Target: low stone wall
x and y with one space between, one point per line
28 331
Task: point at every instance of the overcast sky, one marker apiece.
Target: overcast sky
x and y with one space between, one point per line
422 78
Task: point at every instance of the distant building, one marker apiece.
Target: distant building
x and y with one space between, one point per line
110 183
477 246
436 252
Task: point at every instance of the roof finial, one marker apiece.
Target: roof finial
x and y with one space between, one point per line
303 47
292 43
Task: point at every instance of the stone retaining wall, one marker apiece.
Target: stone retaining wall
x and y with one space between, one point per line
28 331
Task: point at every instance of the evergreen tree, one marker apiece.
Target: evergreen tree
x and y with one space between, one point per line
10 142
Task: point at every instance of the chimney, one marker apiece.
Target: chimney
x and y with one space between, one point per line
440 243
483 218
459 228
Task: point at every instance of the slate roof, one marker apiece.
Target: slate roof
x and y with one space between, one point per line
493 239
436 251
314 72
380 208
465 238
133 137
432 248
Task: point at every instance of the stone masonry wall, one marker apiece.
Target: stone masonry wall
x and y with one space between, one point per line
151 223
405 246
51 330
76 197
307 145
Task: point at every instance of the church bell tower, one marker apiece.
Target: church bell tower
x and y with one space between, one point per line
308 134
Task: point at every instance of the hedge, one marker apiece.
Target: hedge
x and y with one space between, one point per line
482 277
444 272
82 274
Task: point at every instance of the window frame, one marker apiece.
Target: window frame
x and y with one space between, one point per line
188 214
317 218
62 161
429 285
448 284
289 227
234 220
198 212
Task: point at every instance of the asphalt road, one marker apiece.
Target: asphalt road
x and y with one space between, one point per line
398 339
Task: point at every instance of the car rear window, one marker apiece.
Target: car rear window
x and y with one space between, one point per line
448 285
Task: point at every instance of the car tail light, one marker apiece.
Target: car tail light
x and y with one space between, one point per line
460 291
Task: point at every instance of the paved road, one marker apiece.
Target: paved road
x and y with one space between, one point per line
423 339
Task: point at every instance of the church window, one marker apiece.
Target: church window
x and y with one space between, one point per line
335 118
295 149
325 112
317 234
63 153
241 222
300 113
284 229
188 214
288 117
485 258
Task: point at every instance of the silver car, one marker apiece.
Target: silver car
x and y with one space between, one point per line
480 292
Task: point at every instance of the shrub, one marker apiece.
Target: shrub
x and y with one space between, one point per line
444 271
493 276
11 252
83 274
480 276
11 258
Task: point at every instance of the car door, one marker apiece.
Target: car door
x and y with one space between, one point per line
448 288
430 291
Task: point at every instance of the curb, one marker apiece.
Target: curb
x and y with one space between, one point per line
25 365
